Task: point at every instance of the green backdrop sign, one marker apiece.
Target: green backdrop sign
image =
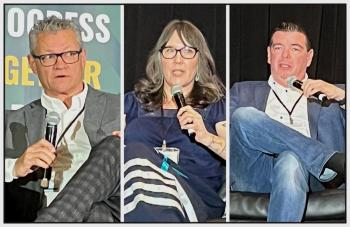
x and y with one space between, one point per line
100 26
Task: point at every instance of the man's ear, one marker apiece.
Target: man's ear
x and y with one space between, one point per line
32 64
268 55
83 56
310 55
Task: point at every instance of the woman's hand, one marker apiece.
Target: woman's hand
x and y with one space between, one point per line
191 119
310 87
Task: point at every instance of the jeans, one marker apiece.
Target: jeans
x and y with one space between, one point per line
269 157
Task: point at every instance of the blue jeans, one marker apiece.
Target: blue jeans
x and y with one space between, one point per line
267 156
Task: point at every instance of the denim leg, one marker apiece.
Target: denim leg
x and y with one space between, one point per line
250 169
289 182
256 131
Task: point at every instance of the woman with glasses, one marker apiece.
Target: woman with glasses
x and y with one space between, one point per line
174 150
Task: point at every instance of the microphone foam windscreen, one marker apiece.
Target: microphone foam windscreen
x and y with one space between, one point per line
290 81
53 118
175 89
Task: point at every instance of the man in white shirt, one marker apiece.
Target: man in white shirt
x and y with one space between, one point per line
281 138
84 185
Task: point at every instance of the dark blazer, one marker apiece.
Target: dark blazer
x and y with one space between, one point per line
25 126
327 123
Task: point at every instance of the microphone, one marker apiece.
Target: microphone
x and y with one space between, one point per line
294 83
52 120
176 92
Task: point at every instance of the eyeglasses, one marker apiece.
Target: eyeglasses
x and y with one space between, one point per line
186 52
68 57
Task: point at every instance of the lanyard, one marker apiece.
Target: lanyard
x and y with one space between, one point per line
164 130
70 125
165 165
289 111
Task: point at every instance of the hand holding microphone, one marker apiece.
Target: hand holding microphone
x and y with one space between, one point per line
331 91
176 92
190 119
52 120
319 89
294 83
40 154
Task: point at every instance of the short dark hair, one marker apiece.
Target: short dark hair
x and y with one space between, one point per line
291 27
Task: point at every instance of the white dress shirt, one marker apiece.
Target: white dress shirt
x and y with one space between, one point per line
74 148
289 97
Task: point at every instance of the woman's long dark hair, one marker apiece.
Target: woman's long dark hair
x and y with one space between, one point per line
208 89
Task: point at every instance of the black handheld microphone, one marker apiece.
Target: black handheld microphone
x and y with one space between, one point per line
52 120
176 92
294 83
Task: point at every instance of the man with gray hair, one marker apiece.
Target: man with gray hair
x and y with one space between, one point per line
85 163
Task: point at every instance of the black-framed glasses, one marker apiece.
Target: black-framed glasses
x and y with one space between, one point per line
68 57
185 52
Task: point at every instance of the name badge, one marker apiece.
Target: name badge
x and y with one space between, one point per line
172 153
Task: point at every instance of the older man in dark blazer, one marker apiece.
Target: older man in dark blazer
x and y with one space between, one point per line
283 142
84 185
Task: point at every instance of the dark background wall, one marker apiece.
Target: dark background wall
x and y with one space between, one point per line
143 25
250 25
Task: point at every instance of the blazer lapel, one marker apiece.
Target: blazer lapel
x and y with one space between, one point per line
35 122
313 110
94 110
261 95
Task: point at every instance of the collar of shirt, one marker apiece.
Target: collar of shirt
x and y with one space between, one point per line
54 104
276 111
287 95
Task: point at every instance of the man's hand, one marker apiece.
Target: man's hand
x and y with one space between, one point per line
117 133
310 87
41 154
